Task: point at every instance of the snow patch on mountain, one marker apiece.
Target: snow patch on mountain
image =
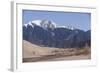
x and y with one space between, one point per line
37 22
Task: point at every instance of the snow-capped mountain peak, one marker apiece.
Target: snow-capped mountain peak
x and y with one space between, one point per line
45 24
48 24
30 24
42 23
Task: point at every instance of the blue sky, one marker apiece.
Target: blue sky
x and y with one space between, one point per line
78 20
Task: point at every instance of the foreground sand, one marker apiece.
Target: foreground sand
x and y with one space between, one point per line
34 53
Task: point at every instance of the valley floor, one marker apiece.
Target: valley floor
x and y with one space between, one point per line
34 53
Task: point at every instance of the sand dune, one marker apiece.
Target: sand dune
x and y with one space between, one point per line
32 52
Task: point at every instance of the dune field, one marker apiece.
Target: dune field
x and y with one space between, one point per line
35 53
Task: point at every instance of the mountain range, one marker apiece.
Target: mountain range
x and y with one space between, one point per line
47 33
